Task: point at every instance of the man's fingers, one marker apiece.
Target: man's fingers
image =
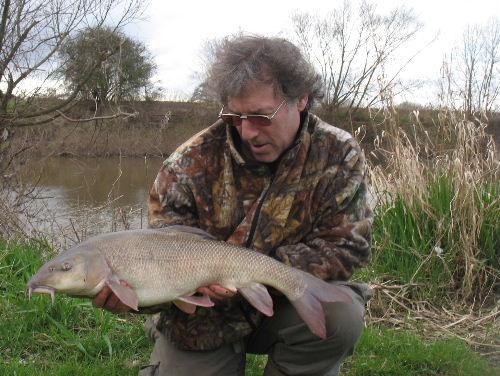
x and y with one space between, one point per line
216 292
100 299
222 291
113 304
109 301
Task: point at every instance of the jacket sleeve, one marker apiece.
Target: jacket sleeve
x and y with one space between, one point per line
171 201
340 240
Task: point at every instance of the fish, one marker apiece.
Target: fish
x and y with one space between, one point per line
169 264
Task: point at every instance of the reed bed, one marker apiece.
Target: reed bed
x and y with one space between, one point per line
436 233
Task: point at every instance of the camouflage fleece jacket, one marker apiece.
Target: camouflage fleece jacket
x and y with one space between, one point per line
307 210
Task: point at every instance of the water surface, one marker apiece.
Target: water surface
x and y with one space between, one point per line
84 196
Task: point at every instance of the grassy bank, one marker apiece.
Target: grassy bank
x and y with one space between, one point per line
66 338
435 267
438 214
72 338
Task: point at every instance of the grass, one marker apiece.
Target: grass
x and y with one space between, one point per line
436 230
71 337
424 244
438 212
66 338
388 352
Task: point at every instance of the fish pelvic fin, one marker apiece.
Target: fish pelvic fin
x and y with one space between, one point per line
309 307
258 296
187 303
197 300
184 306
125 293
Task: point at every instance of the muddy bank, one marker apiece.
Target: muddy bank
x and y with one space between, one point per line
156 130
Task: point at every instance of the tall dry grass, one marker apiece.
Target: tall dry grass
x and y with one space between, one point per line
438 208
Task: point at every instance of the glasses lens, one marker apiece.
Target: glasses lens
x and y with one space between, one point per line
231 119
259 120
236 120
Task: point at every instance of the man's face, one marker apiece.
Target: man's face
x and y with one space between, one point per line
266 143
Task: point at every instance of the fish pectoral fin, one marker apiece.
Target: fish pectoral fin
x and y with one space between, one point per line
197 300
258 296
125 293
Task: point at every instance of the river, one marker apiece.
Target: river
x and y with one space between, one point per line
81 197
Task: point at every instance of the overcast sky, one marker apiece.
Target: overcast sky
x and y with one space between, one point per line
174 32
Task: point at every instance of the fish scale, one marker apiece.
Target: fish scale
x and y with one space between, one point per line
203 262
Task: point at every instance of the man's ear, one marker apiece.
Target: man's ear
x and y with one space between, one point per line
302 103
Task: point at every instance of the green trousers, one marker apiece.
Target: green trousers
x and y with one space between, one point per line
291 347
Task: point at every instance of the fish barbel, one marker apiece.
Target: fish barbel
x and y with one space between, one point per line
163 265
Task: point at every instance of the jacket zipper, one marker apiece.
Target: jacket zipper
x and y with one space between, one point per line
255 221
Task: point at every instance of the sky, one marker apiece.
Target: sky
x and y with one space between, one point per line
174 32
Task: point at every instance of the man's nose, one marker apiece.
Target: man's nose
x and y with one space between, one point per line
249 130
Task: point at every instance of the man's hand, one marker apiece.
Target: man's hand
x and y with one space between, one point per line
216 292
107 300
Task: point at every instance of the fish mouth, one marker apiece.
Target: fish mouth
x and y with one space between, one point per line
43 290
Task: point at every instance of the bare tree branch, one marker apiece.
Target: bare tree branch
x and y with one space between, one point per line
31 33
470 78
351 47
118 114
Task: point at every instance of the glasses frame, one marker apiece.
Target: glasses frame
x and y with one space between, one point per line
250 117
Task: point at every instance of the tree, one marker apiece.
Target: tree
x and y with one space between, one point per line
470 74
352 48
31 34
124 73
202 92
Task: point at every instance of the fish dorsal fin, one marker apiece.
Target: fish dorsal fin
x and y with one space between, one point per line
191 231
258 296
126 294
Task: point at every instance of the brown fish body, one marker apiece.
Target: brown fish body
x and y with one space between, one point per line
170 264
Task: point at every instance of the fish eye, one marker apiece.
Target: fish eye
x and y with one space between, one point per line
66 266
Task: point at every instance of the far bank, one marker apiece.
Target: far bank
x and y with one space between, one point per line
158 128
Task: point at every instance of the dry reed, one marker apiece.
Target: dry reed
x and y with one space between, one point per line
408 165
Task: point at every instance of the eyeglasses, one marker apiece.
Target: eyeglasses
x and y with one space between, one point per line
260 120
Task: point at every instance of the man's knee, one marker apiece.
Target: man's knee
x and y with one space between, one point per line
344 322
300 352
166 359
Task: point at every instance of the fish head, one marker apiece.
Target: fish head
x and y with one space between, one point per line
77 271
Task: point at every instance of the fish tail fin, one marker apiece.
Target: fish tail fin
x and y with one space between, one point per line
309 307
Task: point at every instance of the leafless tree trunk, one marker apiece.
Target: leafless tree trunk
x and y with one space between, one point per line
351 47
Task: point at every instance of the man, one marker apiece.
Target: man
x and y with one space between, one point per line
271 176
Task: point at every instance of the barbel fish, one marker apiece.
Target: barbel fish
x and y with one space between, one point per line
164 265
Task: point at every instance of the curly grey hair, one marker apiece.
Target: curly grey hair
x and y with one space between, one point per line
244 59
